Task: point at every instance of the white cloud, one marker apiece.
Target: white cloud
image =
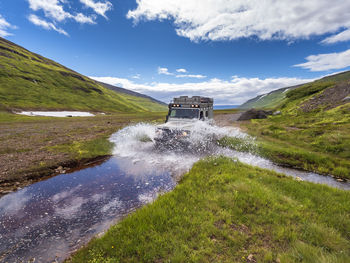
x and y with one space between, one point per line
70 208
164 71
198 76
83 19
45 24
137 76
234 19
52 8
341 37
323 62
12 203
235 91
4 26
112 205
99 7
54 11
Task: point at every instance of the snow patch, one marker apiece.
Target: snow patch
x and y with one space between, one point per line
57 113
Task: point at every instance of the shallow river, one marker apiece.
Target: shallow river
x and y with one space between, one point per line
48 220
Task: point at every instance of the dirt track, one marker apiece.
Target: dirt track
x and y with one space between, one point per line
227 119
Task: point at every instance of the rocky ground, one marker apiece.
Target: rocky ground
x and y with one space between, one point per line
330 98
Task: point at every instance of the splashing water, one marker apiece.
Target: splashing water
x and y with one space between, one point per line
138 142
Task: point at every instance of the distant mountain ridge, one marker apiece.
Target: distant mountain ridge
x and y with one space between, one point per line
129 92
29 81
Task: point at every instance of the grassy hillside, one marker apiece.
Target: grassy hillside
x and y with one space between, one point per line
277 97
30 81
267 101
225 211
312 132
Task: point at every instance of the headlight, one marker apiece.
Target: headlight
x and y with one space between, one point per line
184 133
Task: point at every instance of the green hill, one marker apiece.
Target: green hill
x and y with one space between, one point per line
32 82
278 97
268 101
320 95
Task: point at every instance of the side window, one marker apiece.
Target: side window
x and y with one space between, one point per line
201 115
207 114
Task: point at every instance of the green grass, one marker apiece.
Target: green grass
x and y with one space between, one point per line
344 76
86 149
239 144
224 211
100 145
30 81
6 117
317 141
307 90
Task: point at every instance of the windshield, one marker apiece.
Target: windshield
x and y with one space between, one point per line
184 113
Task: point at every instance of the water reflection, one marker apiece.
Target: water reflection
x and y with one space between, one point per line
49 219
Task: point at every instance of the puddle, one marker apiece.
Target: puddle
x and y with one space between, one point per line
48 220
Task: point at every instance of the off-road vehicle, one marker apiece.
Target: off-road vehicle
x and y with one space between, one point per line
184 112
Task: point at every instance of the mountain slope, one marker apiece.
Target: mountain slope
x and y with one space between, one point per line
278 97
129 92
31 81
321 95
269 100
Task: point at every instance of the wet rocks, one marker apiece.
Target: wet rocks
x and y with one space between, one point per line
251 258
347 99
254 114
6 191
60 170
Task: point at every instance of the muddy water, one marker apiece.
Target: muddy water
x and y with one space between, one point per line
48 220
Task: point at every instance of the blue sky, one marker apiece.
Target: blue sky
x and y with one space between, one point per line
231 50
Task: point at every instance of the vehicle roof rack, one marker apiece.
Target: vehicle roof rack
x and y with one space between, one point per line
193 100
